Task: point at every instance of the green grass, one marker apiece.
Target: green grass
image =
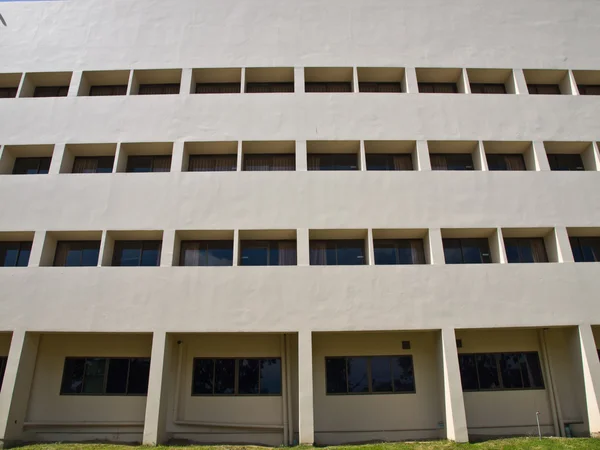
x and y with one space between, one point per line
501 444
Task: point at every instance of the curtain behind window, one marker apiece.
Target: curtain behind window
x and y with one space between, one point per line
318 253
418 253
287 253
445 88
314 162
514 162
85 165
161 164
438 162
403 162
538 250
190 254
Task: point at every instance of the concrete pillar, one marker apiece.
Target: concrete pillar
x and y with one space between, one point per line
370 248
422 156
77 79
187 82
299 80
305 387
178 156
57 159
409 82
157 400
479 158
454 405
591 157
301 157
167 248
434 247
303 246
464 87
559 246
355 86
568 85
520 82
497 247
37 248
591 377
540 156
107 245
362 156
240 156
236 248
16 386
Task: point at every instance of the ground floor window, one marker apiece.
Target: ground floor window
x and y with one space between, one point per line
370 375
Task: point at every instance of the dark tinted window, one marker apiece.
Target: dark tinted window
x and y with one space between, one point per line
399 251
268 253
379 87
337 252
160 163
14 254
467 251
451 161
383 161
272 88
565 162
585 249
8 92
93 164
269 162
99 91
206 253
136 253
589 89
544 89
51 91
333 161
3 360
158 89
525 250
342 86
31 166
488 88
77 253
438 88
212 163
505 162
499 371
218 88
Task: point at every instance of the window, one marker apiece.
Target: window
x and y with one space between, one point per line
565 162
105 376
525 250
31 166
268 253
3 361
266 88
384 161
589 89
136 253
337 252
206 253
218 88
399 251
488 88
467 251
141 164
451 161
438 88
212 163
506 162
14 254
544 89
585 249
93 164
379 87
269 162
98 91
77 253
333 161
51 91
500 371
159 89
8 92
241 376
334 86
370 375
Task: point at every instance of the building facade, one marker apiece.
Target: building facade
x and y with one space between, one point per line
434 198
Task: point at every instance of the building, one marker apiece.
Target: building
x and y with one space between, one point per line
423 152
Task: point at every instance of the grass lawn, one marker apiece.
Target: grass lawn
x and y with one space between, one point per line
501 444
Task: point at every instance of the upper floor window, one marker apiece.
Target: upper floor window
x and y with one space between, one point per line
370 375
333 161
109 90
77 253
333 86
150 163
105 376
525 250
51 91
506 162
206 253
488 88
386 161
269 88
337 252
467 251
93 164
31 166
585 249
399 251
136 253
158 89
212 163
451 161
269 162
372 86
241 376
14 253
8 92
218 88
589 89
544 89
3 361
500 371
268 253
565 161
438 88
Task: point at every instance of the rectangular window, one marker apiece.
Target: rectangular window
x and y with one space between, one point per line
8 92
505 162
268 253
93 164
387 87
438 88
500 371
206 253
488 88
105 376
31 166
14 254
101 91
369 375
77 253
467 251
3 360
236 376
384 161
137 253
334 86
399 251
525 250
269 162
140 164
565 162
218 88
589 89
51 91
543 89
333 161
158 89
451 161
269 88
212 163
337 253
585 249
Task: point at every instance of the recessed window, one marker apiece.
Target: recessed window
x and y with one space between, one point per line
156 82
337 252
491 81
268 253
451 161
93 164
438 88
333 161
3 361
239 376
488 88
108 90
217 81
104 83
206 253
77 253
440 81
149 163
467 251
588 81
210 156
328 79
565 162
105 376
212 163
31 166
585 249
398 251
269 80
525 250
9 84
136 253
500 371
14 254
159 89
547 82
544 89
369 375
8 92
383 161
268 162
218 88
505 162
380 79
51 91
47 84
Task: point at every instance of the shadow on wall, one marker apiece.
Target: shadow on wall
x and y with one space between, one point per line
2 20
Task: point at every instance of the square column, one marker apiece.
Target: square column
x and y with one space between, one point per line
305 387
157 399
591 377
16 386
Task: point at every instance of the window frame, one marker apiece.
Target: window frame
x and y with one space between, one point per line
329 243
105 159
83 245
518 242
462 245
23 246
396 245
8 92
206 244
502 157
331 166
291 167
379 87
268 244
142 243
558 160
219 88
116 90
329 87
279 87
41 165
483 86
389 161
55 91
153 159
164 86
425 86
213 159
579 246
534 88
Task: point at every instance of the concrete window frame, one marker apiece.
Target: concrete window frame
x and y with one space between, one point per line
504 77
104 79
562 78
588 151
208 148
336 147
438 75
587 81
52 238
33 80
9 84
201 235
73 151
9 154
493 236
472 148
271 80
216 81
522 148
390 148
330 80
127 149
382 79
142 77
273 148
